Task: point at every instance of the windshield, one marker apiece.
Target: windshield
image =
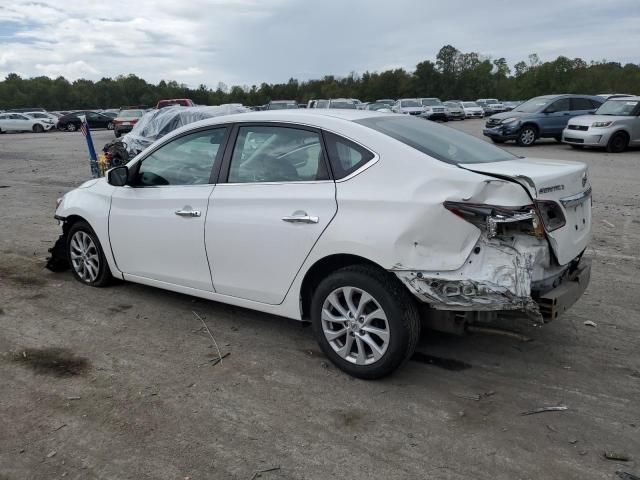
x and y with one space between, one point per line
618 107
443 143
452 104
338 104
429 102
534 105
492 100
130 113
469 104
409 103
377 106
322 103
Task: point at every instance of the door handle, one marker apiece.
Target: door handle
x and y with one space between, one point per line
188 213
304 218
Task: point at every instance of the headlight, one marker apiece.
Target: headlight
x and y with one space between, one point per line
509 120
601 124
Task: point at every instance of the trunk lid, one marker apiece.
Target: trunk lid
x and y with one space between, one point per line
563 182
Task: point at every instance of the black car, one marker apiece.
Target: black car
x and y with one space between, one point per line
71 122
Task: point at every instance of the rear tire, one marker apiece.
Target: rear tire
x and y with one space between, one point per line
37 128
365 321
527 136
86 256
71 127
618 143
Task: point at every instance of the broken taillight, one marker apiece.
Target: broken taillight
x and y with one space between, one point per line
498 220
551 215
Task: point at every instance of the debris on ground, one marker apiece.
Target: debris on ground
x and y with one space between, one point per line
213 339
616 456
498 331
469 396
556 408
258 473
51 454
608 224
626 476
590 323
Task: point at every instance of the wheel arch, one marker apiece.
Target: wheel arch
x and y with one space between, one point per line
531 123
320 270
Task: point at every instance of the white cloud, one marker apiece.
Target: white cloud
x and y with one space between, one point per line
250 41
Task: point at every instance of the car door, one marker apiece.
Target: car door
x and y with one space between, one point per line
95 120
156 223
21 123
555 117
274 200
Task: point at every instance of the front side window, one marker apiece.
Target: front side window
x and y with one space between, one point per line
345 156
277 154
187 160
562 105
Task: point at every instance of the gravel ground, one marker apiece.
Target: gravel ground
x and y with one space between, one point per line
118 383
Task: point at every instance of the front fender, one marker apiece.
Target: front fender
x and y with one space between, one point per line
91 202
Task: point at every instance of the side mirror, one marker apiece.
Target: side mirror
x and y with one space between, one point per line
118 176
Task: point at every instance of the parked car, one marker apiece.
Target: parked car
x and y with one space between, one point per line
183 102
281 104
472 110
409 106
362 232
388 101
71 122
20 122
378 106
454 111
490 105
125 121
434 109
337 103
43 116
608 96
614 126
359 105
540 117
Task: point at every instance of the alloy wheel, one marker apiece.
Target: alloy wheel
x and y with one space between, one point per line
355 325
71 127
527 136
84 256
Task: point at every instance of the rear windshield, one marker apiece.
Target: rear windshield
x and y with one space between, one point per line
443 143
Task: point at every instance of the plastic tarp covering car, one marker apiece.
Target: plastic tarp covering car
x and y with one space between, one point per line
157 123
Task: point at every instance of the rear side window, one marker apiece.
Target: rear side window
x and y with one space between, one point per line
345 156
581 104
561 105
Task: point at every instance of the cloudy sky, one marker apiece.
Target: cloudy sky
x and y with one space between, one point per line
250 41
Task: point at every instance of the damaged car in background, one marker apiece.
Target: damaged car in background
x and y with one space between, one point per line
366 224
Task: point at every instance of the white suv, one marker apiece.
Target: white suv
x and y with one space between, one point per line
363 223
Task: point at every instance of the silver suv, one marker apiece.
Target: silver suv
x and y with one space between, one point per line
614 126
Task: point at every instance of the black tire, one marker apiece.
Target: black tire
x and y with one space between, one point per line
497 140
37 128
527 136
399 307
577 147
71 127
558 138
117 133
110 126
618 142
103 276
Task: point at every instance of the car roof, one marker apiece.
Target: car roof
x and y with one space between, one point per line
630 98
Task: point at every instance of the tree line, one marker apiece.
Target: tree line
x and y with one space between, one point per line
453 75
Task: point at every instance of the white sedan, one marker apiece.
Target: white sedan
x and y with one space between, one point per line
363 223
18 122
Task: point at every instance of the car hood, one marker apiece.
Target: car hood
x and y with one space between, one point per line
589 119
557 181
511 114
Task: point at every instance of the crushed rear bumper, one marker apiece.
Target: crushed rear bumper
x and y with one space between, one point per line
557 301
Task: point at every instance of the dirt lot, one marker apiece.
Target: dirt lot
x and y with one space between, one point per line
117 382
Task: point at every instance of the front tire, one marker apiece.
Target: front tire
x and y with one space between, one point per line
86 257
365 321
71 127
110 126
617 143
527 136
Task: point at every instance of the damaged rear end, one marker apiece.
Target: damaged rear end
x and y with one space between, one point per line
534 223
